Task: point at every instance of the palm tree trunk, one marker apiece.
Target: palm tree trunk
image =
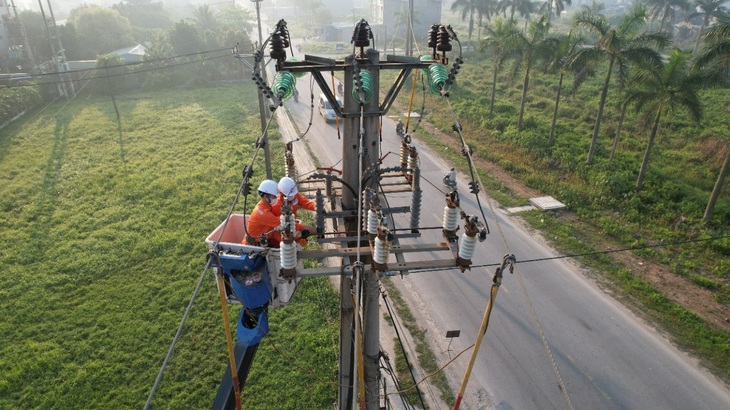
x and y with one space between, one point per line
525 84
555 110
471 29
599 116
494 89
618 131
647 153
718 188
549 11
699 35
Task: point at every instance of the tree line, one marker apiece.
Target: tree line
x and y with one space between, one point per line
636 53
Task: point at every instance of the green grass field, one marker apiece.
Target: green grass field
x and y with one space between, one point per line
103 244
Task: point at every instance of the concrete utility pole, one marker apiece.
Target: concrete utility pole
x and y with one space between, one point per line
26 45
359 387
59 54
361 150
263 112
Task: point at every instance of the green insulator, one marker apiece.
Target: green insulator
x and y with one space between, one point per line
438 73
425 59
366 82
296 60
283 85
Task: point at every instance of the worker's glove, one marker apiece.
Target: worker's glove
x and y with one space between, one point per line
305 234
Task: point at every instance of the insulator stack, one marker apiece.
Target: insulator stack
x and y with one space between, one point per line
362 80
329 190
278 45
416 200
288 220
467 242
382 248
291 169
412 163
319 218
433 37
438 74
453 72
288 255
372 221
404 154
261 84
443 43
466 246
362 35
451 219
284 84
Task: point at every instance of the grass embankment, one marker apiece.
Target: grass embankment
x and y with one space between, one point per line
103 243
607 208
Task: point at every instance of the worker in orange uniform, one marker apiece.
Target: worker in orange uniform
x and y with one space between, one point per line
264 219
288 190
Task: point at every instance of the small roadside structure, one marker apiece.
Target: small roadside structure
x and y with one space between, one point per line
543 203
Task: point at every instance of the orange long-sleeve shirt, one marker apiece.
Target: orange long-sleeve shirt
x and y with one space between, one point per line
264 218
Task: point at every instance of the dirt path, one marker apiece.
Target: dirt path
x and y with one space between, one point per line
678 289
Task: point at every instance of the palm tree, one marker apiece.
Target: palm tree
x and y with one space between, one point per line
525 8
662 91
205 18
621 45
239 18
531 47
710 8
714 61
560 62
666 10
468 8
485 9
499 40
559 7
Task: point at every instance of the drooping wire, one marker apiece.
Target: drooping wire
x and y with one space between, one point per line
121 74
177 336
243 188
392 316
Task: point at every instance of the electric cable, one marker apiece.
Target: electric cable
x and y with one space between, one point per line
133 63
120 74
400 342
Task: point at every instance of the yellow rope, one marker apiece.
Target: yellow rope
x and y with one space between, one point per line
410 103
229 339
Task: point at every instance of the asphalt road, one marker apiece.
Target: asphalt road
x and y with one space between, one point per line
550 325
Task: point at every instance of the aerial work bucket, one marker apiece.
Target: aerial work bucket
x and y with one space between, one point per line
248 279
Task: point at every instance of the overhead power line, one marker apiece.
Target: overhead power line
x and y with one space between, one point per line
121 74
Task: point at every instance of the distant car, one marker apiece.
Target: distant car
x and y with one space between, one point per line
325 108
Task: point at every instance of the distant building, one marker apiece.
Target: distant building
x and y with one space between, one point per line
133 54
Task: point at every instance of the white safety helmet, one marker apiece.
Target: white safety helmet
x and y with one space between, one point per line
287 187
268 186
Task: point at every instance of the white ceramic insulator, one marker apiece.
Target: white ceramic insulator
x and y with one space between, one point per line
292 223
412 164
381 251
451 218
288 255
372 222
466 246
404 153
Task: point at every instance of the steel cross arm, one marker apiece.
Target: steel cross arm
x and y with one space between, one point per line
316 65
